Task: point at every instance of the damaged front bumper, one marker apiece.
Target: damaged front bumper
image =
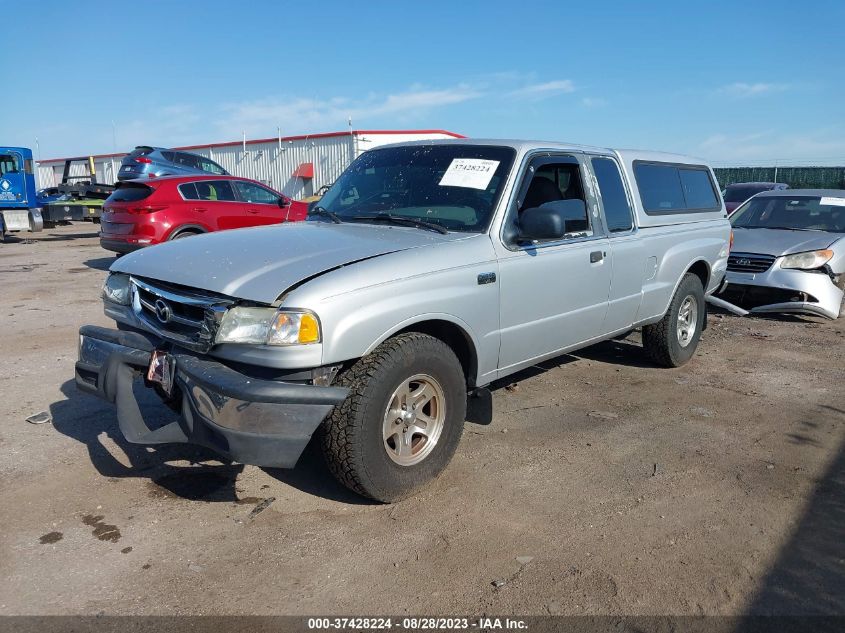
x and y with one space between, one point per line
245 419
785 290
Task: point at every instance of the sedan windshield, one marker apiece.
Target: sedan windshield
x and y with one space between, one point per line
455 187
801 213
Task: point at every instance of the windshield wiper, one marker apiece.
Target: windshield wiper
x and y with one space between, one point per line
401 219
786 228
324 212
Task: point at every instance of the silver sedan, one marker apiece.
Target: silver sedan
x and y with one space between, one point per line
788 253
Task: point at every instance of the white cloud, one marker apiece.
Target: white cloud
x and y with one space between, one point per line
742 90
593 102
418 99
302 114
543 90
187 123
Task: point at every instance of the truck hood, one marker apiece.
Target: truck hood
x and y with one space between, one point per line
260 264
780 242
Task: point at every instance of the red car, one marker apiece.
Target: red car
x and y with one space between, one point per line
143 213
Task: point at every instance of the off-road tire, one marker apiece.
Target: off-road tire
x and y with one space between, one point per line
660 340
351 437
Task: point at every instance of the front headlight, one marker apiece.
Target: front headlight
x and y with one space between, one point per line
807 261
268 326
116 289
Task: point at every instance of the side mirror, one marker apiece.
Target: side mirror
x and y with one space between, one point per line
553 220
284 203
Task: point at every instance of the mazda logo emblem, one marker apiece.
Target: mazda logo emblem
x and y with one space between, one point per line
163 311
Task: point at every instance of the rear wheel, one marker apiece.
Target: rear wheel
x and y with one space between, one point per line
672 341
402 421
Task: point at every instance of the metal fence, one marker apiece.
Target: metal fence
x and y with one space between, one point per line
795 177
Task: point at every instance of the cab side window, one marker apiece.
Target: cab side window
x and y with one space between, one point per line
558 181
617 208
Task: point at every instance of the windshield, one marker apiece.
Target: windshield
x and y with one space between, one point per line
9 164
456 187
741 194
812 213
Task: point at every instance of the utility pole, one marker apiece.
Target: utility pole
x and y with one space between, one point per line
113 150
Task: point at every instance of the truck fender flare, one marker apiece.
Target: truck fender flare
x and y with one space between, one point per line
460 324
681 278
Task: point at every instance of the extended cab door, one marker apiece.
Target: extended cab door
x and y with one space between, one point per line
626 252
553 295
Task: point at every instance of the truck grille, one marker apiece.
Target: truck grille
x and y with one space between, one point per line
185 317
750 262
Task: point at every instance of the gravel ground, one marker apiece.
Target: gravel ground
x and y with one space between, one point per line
603 485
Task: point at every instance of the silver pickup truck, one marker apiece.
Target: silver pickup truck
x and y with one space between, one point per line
426 272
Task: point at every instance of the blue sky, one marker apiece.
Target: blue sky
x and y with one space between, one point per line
739 82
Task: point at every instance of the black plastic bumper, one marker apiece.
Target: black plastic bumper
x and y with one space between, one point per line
120 246
247 420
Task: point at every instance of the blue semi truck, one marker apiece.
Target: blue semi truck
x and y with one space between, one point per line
19 209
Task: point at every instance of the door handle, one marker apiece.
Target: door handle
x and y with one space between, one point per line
596 256
199 209
252 211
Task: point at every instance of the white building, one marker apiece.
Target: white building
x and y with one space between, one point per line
295 165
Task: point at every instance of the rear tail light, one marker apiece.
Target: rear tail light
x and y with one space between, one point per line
143 159
150 208
731 245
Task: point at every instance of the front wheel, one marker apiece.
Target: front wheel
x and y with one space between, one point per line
672 341
402 421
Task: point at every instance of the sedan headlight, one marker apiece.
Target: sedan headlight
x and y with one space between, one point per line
807 261
268 326
116 289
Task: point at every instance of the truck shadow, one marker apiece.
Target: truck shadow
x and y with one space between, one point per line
313 477
100 263
207 476
808 577
89 421
616 352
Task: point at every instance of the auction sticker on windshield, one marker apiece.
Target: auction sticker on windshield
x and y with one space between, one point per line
474 173
833 202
